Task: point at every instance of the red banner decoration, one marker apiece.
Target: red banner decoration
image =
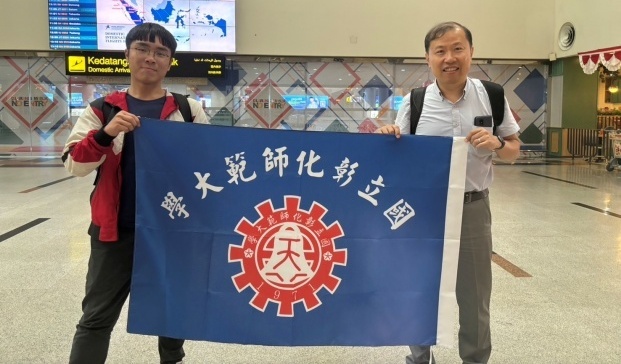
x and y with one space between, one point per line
609 57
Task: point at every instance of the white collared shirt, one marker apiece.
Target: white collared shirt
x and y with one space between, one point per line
443 118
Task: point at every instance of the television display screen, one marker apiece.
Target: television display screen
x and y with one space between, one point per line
198 25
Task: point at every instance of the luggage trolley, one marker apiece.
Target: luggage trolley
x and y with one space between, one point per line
615 160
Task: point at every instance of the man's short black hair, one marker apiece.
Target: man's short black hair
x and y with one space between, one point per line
441 29
149 32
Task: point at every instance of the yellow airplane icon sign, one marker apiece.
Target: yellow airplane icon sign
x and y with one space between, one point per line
77 64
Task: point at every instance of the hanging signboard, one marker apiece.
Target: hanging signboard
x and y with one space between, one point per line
115 64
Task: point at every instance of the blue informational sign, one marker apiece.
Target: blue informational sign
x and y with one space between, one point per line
76 99
295 238
298 102
302 102
396 102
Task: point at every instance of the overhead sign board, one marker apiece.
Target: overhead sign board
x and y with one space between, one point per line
115 64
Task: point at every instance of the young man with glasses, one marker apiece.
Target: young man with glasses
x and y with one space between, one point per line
108 147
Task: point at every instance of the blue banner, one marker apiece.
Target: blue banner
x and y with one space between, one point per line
276 237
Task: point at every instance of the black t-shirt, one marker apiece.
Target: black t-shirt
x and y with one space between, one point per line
127 209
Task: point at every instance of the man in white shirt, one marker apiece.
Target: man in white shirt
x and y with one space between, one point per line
451 103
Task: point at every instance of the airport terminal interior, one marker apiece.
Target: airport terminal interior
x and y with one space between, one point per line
557 282
557 236
556 209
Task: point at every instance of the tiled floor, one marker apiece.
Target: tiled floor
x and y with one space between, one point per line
557 225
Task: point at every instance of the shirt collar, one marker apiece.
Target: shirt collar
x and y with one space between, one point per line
466 91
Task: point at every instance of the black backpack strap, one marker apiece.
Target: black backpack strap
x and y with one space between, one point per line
108 111
184 106
98 105
417 98
496 95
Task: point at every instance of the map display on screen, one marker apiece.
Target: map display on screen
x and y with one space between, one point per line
198 25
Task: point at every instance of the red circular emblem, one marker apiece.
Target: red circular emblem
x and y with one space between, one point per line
287 255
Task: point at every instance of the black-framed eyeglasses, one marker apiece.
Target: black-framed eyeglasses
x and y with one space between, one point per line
146 51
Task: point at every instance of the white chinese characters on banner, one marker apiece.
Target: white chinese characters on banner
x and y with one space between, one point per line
343 168
203 185
173 205
397 214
